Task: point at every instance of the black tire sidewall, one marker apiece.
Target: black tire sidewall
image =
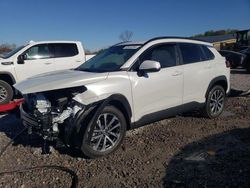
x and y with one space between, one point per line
9 92
207 106
88 151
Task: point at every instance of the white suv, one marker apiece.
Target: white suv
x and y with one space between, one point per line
126 86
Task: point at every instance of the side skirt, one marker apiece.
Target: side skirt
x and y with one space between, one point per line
163 114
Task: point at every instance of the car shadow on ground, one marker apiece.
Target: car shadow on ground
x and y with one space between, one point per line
197 113
239 93
11 125
221 160
239 71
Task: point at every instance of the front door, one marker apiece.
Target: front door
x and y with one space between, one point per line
156 91
38 60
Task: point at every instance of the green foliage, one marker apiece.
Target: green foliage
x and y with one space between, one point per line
215 33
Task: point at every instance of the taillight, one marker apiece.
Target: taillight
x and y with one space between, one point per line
228 64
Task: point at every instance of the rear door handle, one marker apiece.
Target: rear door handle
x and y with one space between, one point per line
177 73
48 63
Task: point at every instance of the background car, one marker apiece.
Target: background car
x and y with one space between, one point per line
246 62
236 59
37 58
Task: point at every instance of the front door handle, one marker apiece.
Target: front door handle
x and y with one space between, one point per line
48 63
7 63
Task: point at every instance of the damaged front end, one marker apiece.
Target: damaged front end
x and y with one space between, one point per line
51 114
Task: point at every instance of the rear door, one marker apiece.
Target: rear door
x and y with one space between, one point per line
156 91
66 55
38 60
197 72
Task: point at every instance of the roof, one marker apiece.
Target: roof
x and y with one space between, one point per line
52 41
218 38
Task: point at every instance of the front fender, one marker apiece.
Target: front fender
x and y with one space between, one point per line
76 129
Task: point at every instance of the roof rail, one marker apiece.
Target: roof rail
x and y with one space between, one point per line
164 37
174 37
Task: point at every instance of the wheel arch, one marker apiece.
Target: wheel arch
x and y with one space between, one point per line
121 103
220 80
7 77
90 114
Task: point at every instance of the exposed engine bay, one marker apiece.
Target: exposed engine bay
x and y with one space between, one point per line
49 113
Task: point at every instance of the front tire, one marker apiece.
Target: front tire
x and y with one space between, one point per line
215 102
106 134
6 92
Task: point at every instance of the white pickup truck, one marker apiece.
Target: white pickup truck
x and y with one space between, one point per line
37 58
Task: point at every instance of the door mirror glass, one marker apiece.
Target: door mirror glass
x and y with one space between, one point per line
20 59
150 66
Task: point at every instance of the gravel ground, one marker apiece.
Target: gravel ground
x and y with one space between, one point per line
184 151
240 79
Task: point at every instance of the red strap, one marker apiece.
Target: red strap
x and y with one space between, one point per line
12 105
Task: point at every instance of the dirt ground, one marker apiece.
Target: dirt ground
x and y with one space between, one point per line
184 151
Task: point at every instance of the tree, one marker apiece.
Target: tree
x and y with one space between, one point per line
126 36
215 33
4 48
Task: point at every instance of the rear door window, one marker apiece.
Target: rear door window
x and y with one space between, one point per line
191 53
64 49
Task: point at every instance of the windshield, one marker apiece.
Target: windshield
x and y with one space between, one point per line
110 59
11 53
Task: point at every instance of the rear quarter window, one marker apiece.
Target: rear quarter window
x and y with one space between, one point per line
208 54
191 53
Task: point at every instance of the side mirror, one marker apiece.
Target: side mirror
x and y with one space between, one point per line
20 59
150 66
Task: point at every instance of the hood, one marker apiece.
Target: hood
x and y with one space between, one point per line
58 80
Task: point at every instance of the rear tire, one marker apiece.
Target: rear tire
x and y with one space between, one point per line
108 133
6 92
215 102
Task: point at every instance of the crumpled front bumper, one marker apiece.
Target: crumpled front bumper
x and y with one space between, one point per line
28 120
39 125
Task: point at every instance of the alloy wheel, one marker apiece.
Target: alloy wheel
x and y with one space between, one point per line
106 133
3 93
217 102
